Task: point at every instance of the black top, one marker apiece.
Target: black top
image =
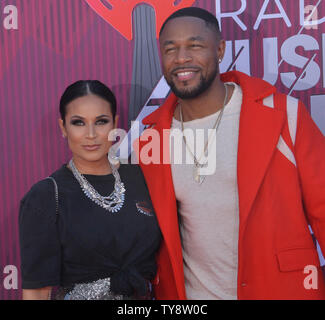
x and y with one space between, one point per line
85 242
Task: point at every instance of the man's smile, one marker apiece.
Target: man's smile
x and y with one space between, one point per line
185 74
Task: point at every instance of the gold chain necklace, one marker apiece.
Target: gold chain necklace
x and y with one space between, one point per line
197 165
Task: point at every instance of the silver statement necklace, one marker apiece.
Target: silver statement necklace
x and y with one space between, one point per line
114 202
197 165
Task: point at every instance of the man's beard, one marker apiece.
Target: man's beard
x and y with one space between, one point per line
192 93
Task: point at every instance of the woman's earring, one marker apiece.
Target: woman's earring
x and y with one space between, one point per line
220 60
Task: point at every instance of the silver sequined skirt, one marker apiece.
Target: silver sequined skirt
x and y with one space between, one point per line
96 290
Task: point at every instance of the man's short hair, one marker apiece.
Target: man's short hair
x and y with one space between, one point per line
210 20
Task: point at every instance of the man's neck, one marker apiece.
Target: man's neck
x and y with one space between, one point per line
204 105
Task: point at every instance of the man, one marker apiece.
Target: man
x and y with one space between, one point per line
243 230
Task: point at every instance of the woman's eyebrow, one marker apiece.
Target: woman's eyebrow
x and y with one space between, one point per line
102 116
80 117
76 116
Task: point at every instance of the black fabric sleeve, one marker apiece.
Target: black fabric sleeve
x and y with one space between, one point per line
38 235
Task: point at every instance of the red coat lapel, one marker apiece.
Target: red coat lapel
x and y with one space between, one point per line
259 132
160 184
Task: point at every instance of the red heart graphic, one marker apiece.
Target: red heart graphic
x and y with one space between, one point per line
118 13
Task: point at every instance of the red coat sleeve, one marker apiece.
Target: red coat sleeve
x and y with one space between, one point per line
310 157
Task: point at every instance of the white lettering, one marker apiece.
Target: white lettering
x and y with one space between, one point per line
311 75
263 16
241 60
129 310
311 281
233 15
313 16
204 306
175 139
271 70
11 20
227 58
117 149
208 161
150 152
242 49
312 20
184 309
10 281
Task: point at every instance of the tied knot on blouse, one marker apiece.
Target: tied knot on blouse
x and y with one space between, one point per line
128 281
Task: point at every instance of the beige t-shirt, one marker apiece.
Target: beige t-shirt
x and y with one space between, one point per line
209 214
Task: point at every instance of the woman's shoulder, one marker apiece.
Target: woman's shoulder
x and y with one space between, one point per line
42 192
39 190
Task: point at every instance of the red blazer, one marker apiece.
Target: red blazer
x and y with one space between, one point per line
281 187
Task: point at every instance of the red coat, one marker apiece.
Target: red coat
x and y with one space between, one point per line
281 187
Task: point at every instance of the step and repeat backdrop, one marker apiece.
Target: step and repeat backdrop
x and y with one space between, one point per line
48 44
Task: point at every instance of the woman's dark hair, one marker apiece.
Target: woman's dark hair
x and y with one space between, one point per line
83 88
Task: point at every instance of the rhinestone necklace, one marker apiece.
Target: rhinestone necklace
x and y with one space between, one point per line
197 165
114 202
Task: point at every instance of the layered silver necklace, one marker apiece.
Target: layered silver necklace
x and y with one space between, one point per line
112 203
197 165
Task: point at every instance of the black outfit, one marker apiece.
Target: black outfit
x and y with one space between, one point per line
85 242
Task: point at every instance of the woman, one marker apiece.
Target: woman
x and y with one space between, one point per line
90 227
